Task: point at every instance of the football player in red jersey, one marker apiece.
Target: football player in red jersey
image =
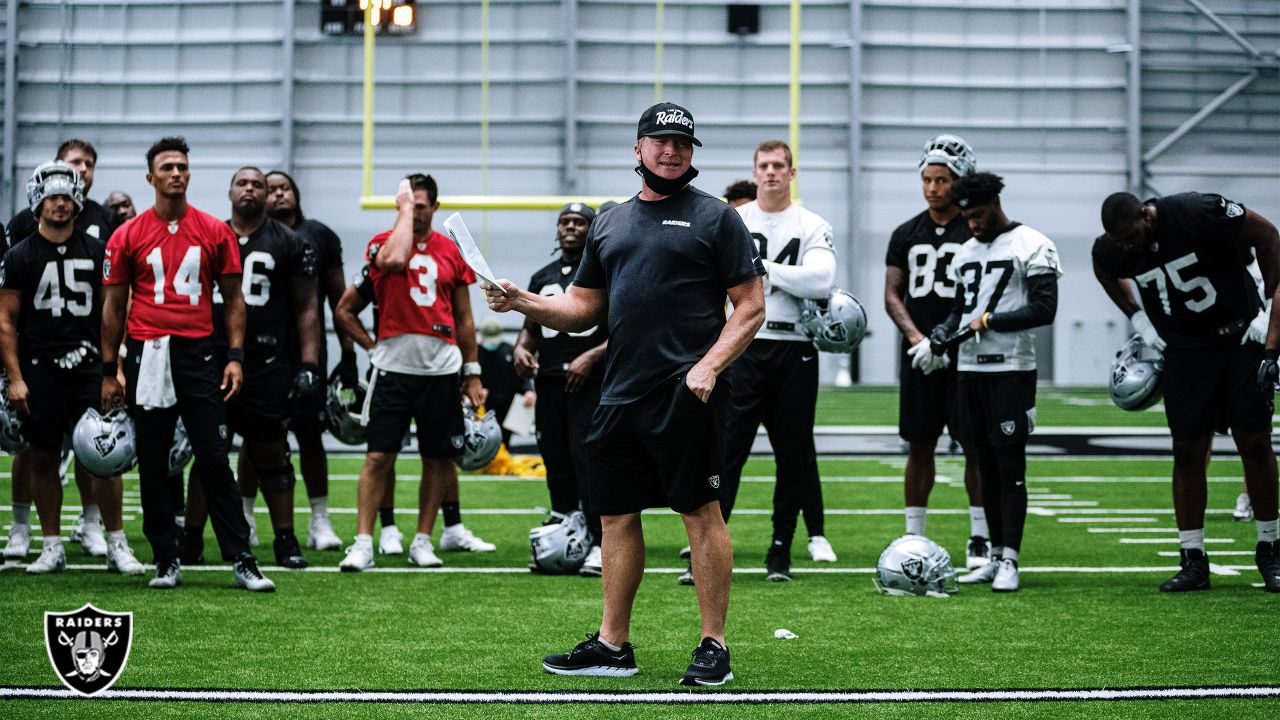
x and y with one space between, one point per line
166 260
426 335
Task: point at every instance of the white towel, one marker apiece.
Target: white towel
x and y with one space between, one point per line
155 381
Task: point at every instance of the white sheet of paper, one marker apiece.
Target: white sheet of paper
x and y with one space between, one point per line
519 418
457 230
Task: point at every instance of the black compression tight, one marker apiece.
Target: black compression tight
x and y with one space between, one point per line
1004 491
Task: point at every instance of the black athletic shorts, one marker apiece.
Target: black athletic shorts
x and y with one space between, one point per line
998 408
57 398
1214 388
926 403
663 450
434 402
262 408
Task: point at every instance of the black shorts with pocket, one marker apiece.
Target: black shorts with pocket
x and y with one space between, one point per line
57 398
995 408
434 402
1215 388
663 450
926 403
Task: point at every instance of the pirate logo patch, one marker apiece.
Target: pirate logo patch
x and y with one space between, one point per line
88 647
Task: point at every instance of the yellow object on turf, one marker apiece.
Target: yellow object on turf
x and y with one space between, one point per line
504 463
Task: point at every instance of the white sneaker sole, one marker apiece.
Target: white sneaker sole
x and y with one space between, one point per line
709 683
593 671
590 571
429 564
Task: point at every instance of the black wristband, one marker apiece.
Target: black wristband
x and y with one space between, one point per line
349 356
235 355
1271 354
109 368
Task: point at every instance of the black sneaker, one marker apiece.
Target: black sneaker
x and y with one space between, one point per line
1267 556
168 575
777 564
191 547
246 574
710 665
593 658
1194 574
288 553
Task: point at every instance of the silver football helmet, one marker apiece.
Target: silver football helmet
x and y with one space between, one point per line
180 452
54 178
105 444
343 408
915 565
1136 375
560 548
835 325
481 439
949 150
11 438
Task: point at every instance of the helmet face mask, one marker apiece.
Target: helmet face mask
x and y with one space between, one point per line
181 452
54 178
12 439
835 325
560 548
952 151
1136 375
105 444
481 439
915 565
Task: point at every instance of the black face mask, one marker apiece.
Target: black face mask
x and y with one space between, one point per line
663 186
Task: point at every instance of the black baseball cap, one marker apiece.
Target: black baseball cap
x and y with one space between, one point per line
577 208
667 119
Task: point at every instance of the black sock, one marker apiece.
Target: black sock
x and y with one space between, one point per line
452 513
388 516
785 544
285 533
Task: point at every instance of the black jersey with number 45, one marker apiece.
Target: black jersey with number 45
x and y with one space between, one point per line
61 289
271 258
1194 280
557 349
924 250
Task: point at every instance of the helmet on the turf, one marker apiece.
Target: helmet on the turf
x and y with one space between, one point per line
180 452
836 324
949 150
54 178
105 444
1136 375
560 548
11 438
915 565
343 409
481 439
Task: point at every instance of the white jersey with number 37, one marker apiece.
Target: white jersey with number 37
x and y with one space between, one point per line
992 277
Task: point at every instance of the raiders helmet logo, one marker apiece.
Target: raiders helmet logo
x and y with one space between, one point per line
88 647
457 441
913 568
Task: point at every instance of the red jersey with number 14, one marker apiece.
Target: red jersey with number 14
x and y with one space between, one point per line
419 299
171 269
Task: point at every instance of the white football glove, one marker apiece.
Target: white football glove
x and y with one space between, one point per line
919 353
1257 330
934 362
1142 325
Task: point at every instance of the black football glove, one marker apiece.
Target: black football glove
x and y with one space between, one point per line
346 371
942 340
306 390
1269 372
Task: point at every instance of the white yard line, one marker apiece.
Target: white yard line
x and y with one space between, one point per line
1106 520
1173 531
1165 541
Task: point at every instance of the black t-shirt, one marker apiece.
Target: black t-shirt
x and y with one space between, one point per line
557 349
61 288
93 220
498 376
271 257
665 266
1194 279
924 250
328 250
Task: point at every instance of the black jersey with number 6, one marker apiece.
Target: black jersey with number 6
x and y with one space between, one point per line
924 250
271 258
61 293
557 349
1194 278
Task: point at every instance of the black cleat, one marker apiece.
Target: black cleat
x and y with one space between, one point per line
1267 555
288 553
777 564
593 658
710 665
191 547
1194 574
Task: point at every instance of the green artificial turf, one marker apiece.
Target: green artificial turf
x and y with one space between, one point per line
1071 407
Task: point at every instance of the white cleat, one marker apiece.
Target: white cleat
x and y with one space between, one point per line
168 575
19 542
458 537
253 529
120 559
1006 579
53 559
593 566
320 534
93 538
391 541
820 549
359 557
1244 508
984 574
422 554
248 576
977 552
